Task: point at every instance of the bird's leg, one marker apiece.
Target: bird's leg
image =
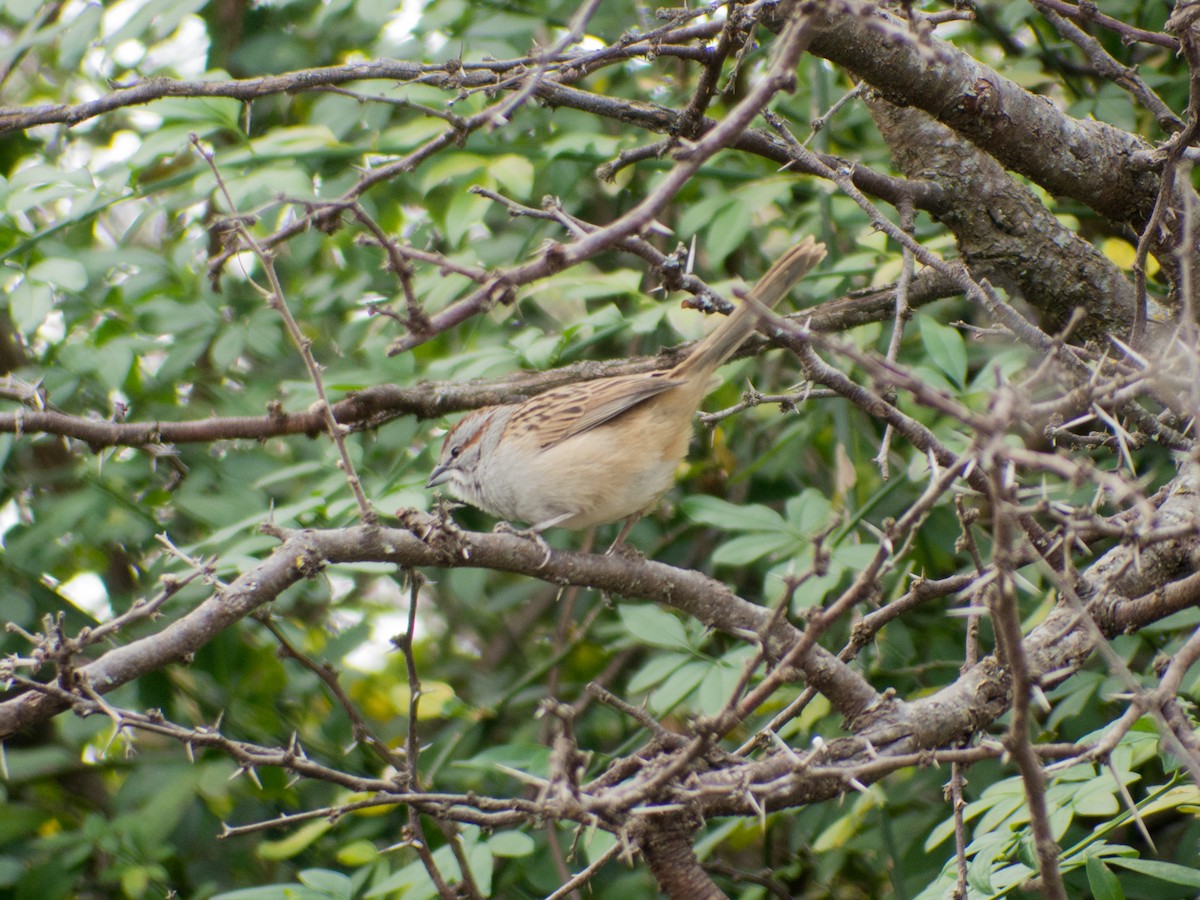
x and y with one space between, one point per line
623 533
534 533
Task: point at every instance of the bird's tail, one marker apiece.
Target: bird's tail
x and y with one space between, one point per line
723 342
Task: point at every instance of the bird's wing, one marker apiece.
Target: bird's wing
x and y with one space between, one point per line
566 411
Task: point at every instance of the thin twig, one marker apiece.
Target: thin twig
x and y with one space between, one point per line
901 317
277 301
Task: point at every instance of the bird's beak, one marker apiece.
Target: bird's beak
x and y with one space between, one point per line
439 475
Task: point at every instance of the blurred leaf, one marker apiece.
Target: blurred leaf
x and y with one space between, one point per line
464 215
135 880
511 844
221 112
1162 871
654 626
655 670
274 892
1097 798
808 512
945 348
514 174
1103 883
68 274
528 758
479 859
415 878
332 884
741 551
357 853
20 821
296 842
29 303
728 516
677 685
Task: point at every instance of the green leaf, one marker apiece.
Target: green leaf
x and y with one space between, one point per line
747 548
945 347
30 302
539 351
656 669
716 687
357 853
1005 364
228 347
727 516
407 136
415 877
1007 877
1060 821
1102 882
220 112
585 282
341 115
685 680
450 167
114 360
273 892
511 844
582 142
855 557
299 840
724 219
482 865
650 625
523 757
979 869
21 11
513 173
265 183
134 881
169 795
464 213
596 842
727 229
808 512
79 35
943 832
1097 797
289 142
332 884
1180 796
43 185
19 820
1163 871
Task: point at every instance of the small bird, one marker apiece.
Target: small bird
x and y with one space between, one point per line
602 450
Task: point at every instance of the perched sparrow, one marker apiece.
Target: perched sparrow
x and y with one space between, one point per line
602 450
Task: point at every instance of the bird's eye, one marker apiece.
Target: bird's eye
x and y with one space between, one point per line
455 452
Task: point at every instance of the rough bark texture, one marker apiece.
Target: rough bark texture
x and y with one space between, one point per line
1005 234
1085 160
667 848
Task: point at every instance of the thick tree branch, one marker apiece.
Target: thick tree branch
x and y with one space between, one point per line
1085 160
1004 232
430 542
375 406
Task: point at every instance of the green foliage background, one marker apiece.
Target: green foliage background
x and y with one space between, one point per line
104 245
